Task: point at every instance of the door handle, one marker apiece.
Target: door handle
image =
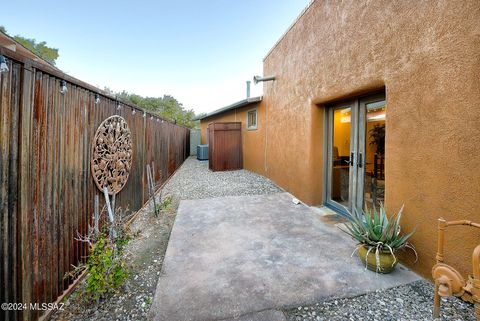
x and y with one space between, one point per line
350 161
360 160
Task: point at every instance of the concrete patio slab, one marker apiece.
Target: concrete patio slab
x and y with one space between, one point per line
232 256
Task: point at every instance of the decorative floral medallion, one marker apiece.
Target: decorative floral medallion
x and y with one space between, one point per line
112 154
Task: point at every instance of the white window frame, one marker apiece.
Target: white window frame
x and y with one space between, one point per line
249 127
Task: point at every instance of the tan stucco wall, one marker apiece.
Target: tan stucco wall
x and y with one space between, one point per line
253 141
426 54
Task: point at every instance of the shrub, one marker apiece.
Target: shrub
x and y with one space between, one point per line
105 267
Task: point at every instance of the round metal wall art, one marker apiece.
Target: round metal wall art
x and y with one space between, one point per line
112 154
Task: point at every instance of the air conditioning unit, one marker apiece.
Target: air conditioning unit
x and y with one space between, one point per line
202 152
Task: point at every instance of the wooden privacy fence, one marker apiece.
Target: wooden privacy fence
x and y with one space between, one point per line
47 191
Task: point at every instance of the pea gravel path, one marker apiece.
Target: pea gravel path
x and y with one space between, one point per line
195 181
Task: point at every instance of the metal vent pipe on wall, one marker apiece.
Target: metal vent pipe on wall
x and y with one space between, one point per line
257 79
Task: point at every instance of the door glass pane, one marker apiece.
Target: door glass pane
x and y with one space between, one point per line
374 184
341 155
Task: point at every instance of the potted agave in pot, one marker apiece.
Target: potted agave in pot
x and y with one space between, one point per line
378 238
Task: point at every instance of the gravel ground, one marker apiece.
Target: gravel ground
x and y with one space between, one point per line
411 302
194 180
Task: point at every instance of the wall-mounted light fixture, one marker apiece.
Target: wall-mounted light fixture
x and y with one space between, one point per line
118 106
151 117
63 87
158 120
133 111
257 79
144 114
97 99
3 64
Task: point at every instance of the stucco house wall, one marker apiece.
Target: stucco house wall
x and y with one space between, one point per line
425 55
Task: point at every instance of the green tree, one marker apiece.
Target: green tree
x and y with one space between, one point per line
39 48
167 107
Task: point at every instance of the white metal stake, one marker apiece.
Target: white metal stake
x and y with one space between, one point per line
110 212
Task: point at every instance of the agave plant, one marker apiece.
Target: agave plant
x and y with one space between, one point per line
377 232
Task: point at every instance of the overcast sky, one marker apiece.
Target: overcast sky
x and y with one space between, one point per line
201 52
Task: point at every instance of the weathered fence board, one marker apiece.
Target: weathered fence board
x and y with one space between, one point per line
46 189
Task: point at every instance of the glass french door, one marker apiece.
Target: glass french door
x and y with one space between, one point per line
356 154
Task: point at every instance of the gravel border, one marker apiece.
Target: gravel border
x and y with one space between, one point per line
411 302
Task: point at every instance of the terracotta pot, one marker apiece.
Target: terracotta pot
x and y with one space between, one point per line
386 260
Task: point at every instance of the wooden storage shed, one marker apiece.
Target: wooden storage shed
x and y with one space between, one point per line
225 146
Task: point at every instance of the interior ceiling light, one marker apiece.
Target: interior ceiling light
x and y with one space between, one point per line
376 116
